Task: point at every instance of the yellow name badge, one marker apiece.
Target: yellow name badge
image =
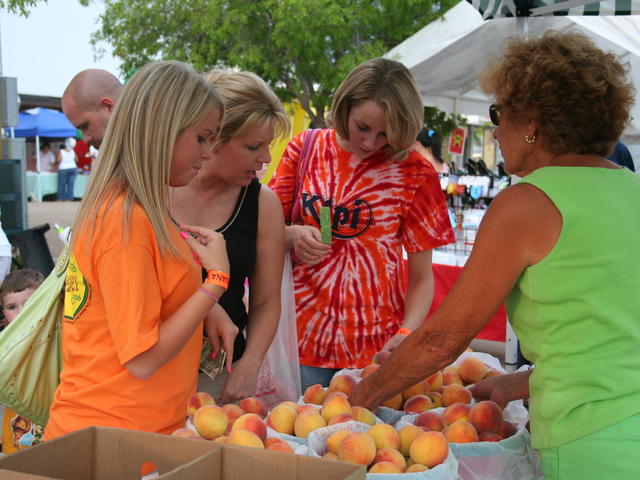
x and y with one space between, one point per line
76 291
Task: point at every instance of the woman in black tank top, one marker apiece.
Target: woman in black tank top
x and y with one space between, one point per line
226 196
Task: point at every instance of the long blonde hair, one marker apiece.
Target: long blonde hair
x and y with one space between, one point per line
391 85
160 101
248 101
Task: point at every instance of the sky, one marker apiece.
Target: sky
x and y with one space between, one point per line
46 49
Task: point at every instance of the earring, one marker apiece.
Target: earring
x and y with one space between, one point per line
529 140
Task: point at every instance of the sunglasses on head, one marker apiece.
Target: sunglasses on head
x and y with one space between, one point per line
494 114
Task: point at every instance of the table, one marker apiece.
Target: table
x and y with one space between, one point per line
45 183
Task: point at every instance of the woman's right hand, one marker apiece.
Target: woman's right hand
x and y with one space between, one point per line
209 245
307 243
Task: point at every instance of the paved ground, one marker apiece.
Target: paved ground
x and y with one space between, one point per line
62 213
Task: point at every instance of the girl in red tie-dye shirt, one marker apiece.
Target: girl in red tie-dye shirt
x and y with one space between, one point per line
350 296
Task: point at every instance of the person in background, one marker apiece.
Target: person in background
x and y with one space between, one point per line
551 246
83 156
5 254
18 431
88 102
429 145
351 296
622 156
47 158
67 169
227 197
136 305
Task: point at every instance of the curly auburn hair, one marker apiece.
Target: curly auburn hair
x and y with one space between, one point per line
578 96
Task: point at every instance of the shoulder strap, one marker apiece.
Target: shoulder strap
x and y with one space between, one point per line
303 165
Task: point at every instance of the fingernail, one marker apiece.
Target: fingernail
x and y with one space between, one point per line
229 368
184 235
213 355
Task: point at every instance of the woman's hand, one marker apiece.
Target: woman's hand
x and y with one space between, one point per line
242 381
209 246
221 332
503 388
392 343
307 242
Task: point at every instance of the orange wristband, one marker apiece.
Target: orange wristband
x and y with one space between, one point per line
216 277
403 331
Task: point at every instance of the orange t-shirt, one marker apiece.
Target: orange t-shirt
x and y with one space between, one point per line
117 293
352 302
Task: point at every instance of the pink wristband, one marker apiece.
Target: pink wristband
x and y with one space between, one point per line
209 294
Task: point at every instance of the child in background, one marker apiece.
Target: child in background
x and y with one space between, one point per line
17 431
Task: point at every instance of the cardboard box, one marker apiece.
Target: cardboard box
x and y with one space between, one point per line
100 453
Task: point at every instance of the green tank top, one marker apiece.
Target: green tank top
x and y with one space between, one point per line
577 311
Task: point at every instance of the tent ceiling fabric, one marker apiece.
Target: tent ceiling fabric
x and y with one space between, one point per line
447 55
512 8
44 123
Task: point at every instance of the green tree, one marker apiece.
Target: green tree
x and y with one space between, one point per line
20 7
302 48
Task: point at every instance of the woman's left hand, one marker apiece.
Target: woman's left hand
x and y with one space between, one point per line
242 381
393 343
221 332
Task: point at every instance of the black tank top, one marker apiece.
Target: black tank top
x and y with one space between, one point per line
240 232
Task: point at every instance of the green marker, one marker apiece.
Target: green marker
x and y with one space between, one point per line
325 224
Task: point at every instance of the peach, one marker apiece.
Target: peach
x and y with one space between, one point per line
307 423
429 448
369 369
197 400
384 467
357 448
455 394
245 438
436 399
416 467
333 442
335 406
314 394
342 383
407 434
392 455
454 412
210 421
489 437
221 439
282 419
185 433
330 456
394 402
361 414
507 429
384 435
452 369
253 405
340 418
430 420
306 408
252 423
492 373
380 357
420 388
472 370
450 378
280 446
435 381
289 404
233 412
330 395
418 404
486 416
461 432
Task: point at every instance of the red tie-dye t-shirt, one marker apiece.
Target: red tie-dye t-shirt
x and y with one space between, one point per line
352 302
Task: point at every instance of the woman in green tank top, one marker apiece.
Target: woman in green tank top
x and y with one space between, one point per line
561 248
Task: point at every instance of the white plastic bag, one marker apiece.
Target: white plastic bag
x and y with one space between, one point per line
279 375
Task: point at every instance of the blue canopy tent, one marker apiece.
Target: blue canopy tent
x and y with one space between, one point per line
43 122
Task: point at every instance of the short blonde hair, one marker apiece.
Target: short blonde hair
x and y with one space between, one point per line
391 85
578 95
248 101
159 102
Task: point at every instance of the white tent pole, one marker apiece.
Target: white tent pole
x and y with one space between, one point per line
38 153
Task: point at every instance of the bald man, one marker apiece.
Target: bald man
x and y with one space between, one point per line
88 102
